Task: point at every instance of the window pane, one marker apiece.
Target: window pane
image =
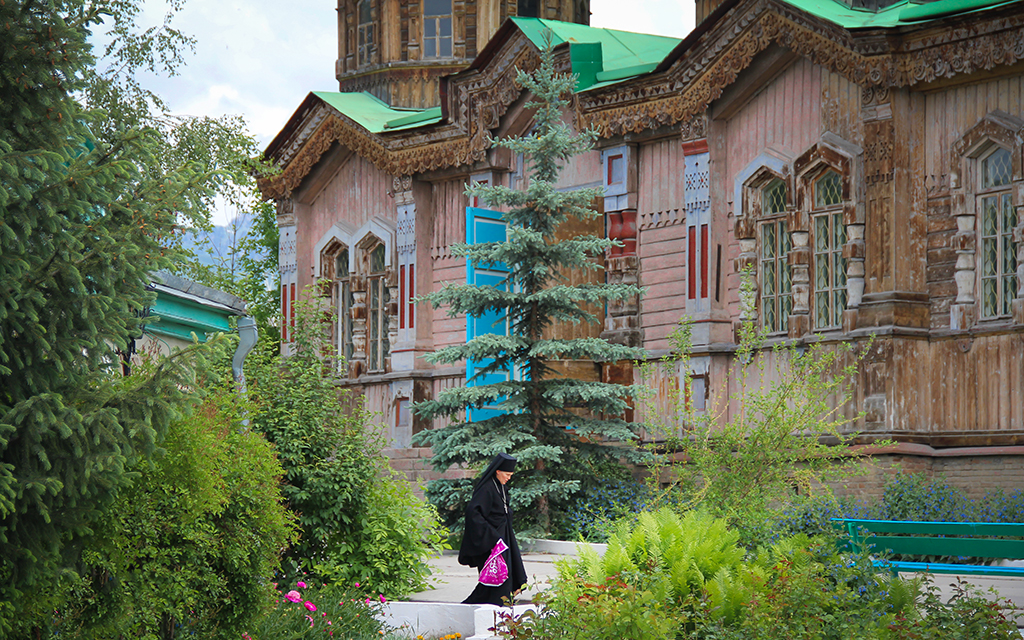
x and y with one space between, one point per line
989 297
821 235
995 169
445 26
1009 217
828 190
768 241
989 256
989 216
430 48
429 28
773 198
377 259
1009 291
364 12
446 48
821 310
437 7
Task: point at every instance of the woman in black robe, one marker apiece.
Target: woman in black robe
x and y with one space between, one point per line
488 518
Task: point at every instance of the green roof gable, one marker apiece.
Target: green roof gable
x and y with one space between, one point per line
375 115
903 13
600 56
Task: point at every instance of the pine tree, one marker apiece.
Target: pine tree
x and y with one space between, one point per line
82 223
555 426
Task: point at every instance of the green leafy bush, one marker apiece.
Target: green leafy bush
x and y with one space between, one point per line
686 578
359 522
302 610
188 546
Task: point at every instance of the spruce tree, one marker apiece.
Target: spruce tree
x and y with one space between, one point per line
557 427
83 221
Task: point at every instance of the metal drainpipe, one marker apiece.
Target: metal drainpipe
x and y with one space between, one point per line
247 335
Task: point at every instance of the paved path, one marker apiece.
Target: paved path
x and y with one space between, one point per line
453 582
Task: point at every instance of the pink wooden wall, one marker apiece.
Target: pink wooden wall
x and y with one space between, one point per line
661 239
356 193
779 117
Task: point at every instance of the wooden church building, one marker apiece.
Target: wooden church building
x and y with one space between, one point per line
863 160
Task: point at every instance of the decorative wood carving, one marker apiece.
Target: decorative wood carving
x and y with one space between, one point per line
477 98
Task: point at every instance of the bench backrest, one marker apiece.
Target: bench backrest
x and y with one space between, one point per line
905 537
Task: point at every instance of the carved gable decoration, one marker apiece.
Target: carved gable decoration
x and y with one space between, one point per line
476 101
699 75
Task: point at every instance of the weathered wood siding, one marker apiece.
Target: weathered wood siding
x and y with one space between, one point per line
661 243
972 386
949 113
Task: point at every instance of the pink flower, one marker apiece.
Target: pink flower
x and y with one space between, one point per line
310 621
357 585
309 605
293 596
301 584
367 601
383 599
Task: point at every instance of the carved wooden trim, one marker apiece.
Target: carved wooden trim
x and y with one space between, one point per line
699 77
478 98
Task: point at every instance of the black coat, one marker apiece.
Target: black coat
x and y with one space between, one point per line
487 519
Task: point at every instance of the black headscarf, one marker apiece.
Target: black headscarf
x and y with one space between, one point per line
500 462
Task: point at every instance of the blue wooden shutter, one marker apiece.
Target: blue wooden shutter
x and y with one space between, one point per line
483 225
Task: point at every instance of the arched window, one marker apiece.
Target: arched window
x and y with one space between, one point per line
437 28
366 32
774 275
377 298
343 298
998 217
829 265
986 183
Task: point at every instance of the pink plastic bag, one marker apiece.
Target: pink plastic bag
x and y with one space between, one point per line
495 571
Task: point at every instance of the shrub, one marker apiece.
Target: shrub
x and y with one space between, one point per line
591 516
359 522
188 546
672 577
301 610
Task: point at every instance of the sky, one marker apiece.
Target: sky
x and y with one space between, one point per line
259 58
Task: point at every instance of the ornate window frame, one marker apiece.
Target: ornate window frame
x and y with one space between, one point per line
843 219
995 129
750 226
362 284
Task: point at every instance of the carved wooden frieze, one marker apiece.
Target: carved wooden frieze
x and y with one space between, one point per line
478 97
701 74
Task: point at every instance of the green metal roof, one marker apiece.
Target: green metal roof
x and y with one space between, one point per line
906 12
600 56
374 114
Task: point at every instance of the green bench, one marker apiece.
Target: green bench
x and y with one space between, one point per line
955 539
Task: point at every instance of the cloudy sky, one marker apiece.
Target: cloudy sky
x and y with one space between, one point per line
259 58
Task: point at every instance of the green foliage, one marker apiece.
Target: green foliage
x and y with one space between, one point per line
782 431
187 546
359 522
82 223
672 556
550 423
302 611
685 578
218 155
